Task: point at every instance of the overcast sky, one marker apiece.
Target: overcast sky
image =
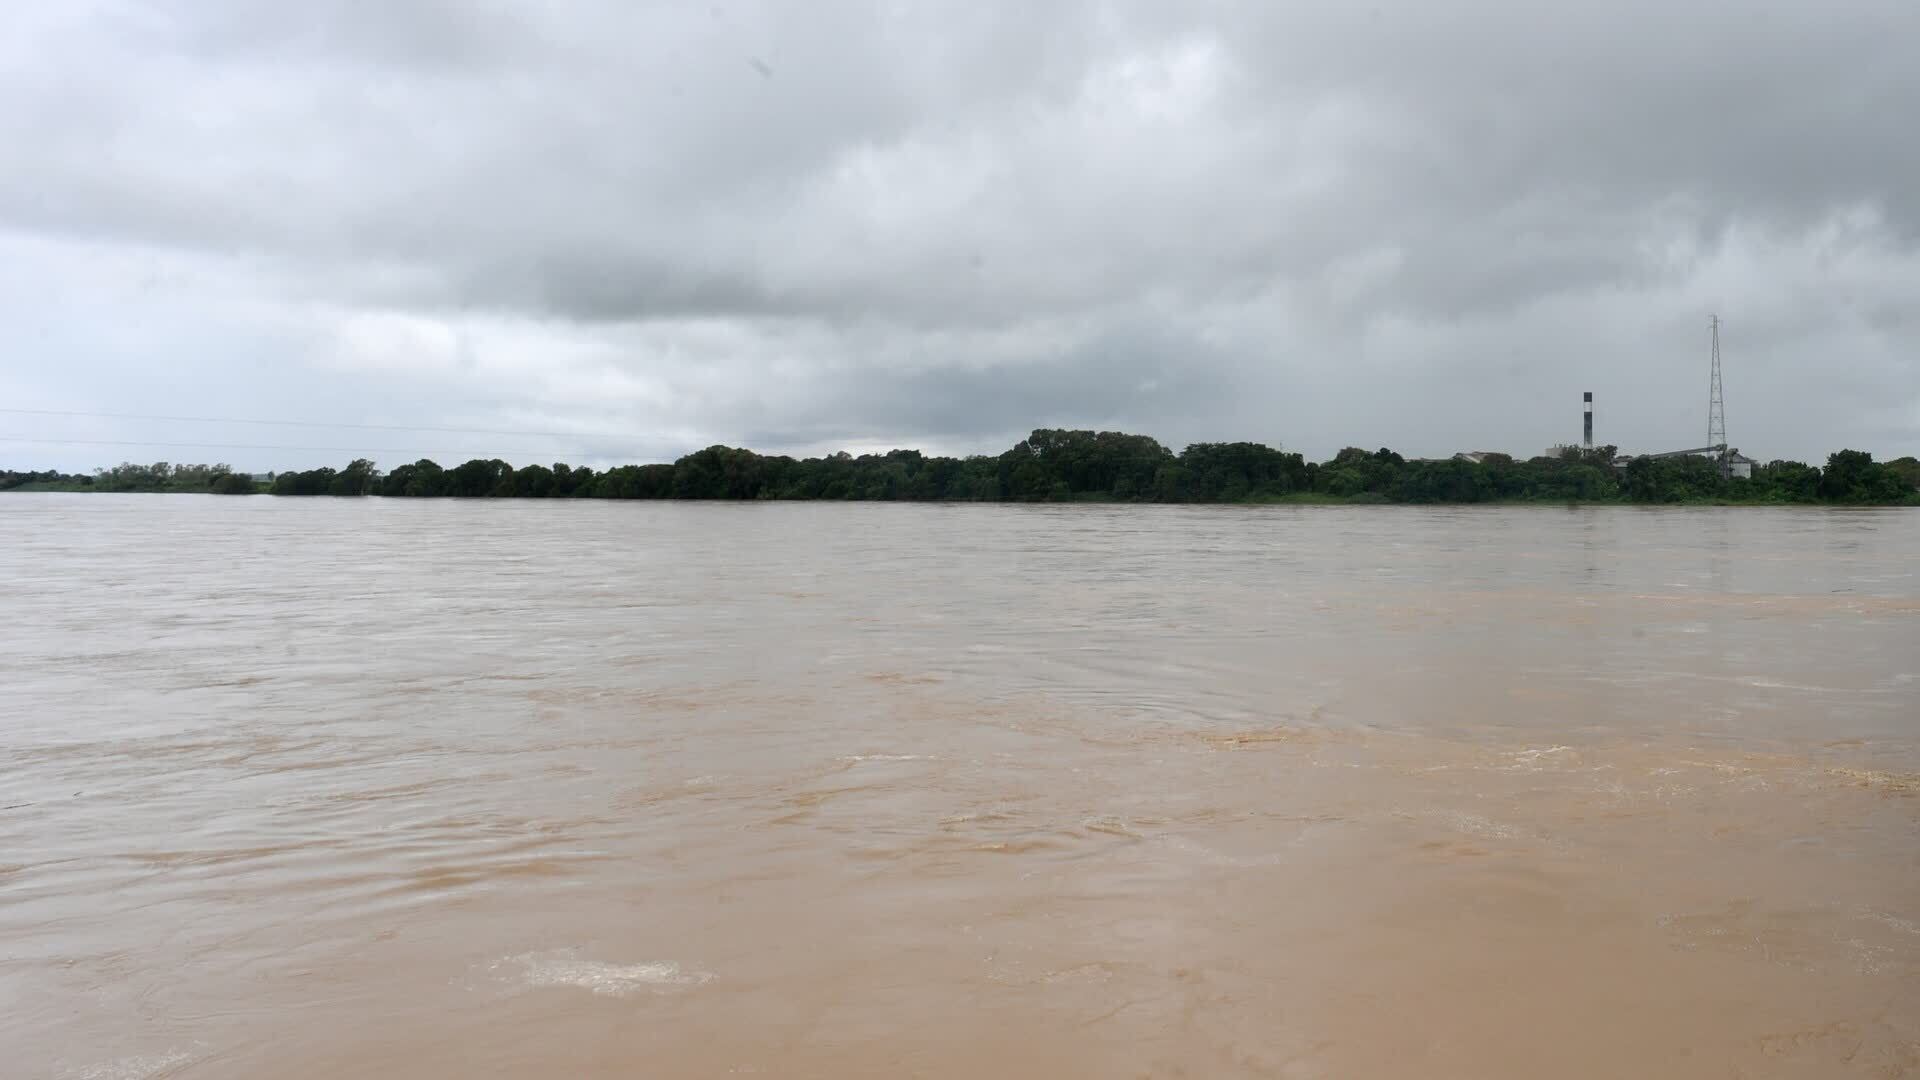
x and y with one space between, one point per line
642 228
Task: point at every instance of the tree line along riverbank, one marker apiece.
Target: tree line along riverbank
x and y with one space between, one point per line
1052 465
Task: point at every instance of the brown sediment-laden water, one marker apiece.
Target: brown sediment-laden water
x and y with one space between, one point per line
448 790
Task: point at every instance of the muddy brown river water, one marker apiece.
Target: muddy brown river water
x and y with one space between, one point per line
445 790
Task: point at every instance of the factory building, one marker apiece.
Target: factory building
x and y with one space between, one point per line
1733 464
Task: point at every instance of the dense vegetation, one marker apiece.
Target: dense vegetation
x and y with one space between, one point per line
160 476
50 480
1061 466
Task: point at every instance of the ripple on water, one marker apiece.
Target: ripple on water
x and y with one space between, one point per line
1060 790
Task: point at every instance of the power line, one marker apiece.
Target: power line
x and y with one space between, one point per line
286 423
268 446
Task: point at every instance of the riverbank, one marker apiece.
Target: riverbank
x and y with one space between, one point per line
1078 466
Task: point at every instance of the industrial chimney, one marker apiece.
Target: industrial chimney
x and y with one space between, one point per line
1589 430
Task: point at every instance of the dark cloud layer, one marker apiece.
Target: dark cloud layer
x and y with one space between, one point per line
800 226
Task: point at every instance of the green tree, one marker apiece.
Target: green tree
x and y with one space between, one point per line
572 482
718 472
311 482
478 478
1907 469
1789 481
1450 481
233 483
1852 476
422 479
532 482
1687 478
1228 472
358 478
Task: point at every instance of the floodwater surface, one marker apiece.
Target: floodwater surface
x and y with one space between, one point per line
442 790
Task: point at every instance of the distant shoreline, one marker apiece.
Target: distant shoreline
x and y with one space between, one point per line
1059 466
1304 500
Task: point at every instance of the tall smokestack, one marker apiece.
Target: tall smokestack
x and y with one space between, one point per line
1589 433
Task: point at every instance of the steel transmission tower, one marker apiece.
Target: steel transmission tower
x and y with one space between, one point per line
1717 406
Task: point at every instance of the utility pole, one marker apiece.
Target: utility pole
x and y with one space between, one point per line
1717 408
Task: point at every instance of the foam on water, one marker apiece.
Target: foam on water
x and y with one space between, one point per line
145 1067
565 968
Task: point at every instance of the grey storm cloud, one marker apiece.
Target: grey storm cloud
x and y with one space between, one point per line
802 226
